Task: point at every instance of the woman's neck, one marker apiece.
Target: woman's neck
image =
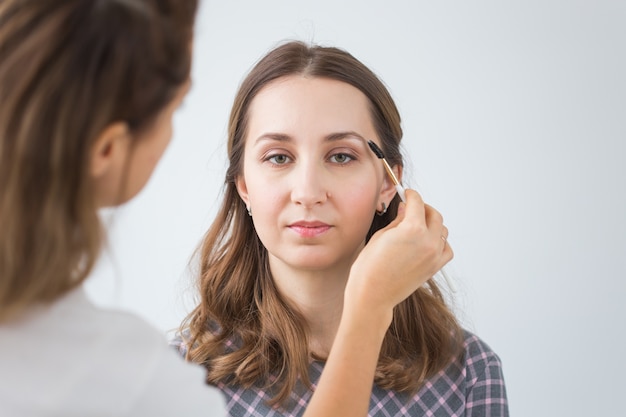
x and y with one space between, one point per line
318 295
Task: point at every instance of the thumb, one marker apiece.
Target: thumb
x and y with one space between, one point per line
399 216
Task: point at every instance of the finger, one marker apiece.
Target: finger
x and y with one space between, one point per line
434 219
414 204
415 207
444 236
399 216
447 253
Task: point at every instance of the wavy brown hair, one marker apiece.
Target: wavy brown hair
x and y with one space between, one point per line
243 330
68 69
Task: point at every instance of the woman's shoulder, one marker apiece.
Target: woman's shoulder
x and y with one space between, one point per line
483 377
477 354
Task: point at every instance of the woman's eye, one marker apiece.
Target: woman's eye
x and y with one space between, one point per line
279 159
341 158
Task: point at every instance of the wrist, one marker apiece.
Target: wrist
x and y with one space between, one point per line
371 318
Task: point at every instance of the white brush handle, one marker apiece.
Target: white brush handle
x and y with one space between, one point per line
400 191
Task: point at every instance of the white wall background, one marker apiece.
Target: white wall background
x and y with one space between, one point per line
515 129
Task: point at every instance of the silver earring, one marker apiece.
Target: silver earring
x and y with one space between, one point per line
383 211
249 209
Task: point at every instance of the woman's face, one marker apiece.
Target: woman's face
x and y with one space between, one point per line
150 147
309 178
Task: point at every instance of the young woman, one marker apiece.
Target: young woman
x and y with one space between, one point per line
88 90
305 196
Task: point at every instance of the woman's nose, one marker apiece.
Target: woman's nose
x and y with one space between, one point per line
309 186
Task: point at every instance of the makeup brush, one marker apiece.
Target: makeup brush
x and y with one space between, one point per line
379 153
381 156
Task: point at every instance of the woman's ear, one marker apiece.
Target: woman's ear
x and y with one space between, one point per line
109 149
108 160
242 189
388 190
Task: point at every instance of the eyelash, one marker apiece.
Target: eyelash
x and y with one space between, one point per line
271 158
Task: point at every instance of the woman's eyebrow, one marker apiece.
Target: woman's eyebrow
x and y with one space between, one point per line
345 135
280 137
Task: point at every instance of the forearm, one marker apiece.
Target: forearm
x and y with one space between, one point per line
345 386
415 241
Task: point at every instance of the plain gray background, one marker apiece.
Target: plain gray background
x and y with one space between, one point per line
514 115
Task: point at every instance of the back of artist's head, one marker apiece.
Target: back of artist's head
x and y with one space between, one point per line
69 70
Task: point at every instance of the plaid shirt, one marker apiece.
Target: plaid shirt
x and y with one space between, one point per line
472 386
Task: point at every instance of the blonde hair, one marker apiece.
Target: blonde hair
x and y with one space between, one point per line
240 306
69 68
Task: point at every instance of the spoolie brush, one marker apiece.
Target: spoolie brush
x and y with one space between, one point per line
379 153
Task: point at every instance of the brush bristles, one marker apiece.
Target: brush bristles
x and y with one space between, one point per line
376 149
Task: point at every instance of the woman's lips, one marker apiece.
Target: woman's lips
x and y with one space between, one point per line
309 229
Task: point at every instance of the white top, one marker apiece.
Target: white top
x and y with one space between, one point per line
74 359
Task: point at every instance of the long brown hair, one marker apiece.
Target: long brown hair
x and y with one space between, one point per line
242 330
69 68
